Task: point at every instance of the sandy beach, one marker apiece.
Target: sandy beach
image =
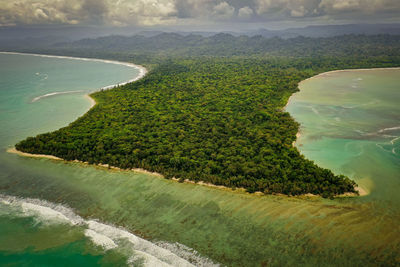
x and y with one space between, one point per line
91 100
362 192
15 151
346 70
106 166
335 71
142 73
142 70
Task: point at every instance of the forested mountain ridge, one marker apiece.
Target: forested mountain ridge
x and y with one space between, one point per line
224 44
161 47
212 112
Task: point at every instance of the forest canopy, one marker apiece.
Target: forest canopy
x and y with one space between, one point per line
210 109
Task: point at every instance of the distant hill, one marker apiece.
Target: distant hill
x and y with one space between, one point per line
330 30
223 44
43 36
210 108
309 31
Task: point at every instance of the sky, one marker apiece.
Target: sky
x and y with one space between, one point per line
197 13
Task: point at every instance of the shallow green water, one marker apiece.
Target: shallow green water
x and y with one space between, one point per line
232 228
25 239
351 124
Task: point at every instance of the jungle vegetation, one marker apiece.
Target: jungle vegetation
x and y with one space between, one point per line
210 109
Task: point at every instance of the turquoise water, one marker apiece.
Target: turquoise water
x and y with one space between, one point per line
25 239
350 123
62 210
40 94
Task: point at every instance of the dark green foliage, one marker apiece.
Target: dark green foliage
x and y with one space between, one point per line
209 118
227 45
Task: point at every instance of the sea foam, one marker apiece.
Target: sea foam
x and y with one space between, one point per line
389 129
55 93
138 244
100 240
109 236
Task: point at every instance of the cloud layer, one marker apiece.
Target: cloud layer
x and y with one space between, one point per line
179 12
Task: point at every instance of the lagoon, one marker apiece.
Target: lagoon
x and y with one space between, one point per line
197 224
350 123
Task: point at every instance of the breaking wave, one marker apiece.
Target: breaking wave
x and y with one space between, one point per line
55 93
389 129
108 236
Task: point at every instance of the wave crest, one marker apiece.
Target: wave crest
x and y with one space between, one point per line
109 236
55 93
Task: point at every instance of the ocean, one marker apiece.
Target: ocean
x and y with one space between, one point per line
40 94
55 213
350 123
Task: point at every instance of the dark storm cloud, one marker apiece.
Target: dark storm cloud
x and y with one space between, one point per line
52 11
178 12
94 11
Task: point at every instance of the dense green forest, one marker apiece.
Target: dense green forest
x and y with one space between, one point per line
210 109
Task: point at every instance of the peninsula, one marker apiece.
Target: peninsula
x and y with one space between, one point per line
205 113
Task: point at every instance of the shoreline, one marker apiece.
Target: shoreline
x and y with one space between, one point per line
128 64
91 100
331 72
362 191
13 150
298 134
344 70
142 70
142 73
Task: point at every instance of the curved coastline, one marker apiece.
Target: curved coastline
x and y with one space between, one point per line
307 223
335 71
142 72
362 191
13 150
344 70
